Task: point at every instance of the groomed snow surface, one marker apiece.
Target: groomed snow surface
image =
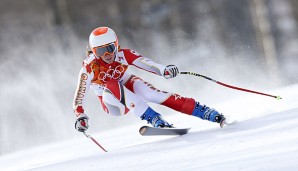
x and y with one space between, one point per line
265 137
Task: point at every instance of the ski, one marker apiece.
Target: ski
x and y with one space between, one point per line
150 131
226 122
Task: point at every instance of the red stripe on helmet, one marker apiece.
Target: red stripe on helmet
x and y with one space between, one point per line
100 30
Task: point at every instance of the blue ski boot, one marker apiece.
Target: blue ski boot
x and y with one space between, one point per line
155 119
209 114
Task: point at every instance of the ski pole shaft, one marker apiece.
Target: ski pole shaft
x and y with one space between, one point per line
89 136
230 86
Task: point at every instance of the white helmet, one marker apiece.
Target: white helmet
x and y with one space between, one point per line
103 40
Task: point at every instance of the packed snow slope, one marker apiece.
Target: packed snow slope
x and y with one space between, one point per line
263 138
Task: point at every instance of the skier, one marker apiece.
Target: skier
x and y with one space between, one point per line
104 70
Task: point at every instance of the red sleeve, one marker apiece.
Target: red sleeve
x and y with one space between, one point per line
131 55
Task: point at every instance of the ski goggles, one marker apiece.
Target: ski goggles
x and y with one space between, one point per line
104 50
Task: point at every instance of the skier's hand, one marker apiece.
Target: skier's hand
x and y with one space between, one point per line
82 123
171 71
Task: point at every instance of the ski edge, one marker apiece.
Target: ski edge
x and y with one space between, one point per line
172 131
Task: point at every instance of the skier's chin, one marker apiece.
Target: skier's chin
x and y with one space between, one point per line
109 59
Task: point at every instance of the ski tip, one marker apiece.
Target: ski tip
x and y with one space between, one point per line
142 130
222 123
187 129
226 121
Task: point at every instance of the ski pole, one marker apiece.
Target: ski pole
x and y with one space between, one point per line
89 136
230 86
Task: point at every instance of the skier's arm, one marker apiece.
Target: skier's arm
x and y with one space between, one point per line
147 64
83 84
84 81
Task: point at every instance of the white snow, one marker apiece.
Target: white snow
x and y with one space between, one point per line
264 138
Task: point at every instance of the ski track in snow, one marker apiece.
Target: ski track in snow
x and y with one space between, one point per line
262 139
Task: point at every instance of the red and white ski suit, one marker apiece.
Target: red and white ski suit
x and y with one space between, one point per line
119 91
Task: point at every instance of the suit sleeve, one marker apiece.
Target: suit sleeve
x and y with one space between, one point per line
134 58
83 85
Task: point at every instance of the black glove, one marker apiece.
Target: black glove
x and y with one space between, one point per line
82 123
171 71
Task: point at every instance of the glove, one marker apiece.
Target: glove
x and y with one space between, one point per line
171 71
82 123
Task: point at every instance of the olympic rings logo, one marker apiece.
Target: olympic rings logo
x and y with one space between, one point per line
111 73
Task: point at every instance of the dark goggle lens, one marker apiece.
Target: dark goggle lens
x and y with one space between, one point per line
103 50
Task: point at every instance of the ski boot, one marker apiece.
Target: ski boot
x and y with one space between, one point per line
206 113
155 119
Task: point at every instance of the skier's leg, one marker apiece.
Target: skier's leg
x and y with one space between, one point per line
155 118
191 107
118 100
207 113
174 101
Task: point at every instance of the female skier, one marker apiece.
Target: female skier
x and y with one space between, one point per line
104 70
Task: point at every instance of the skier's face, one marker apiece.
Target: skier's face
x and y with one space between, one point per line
105 52
109 58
